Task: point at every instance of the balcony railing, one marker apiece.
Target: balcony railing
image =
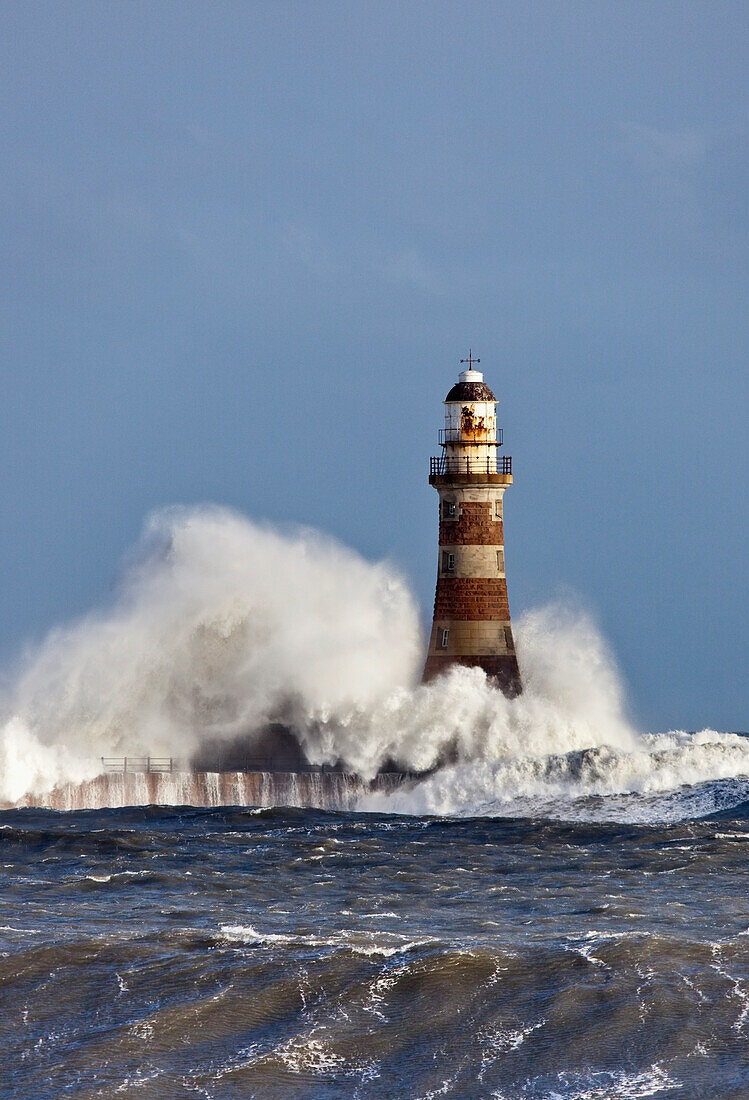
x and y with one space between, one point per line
121 764
458 435
442 466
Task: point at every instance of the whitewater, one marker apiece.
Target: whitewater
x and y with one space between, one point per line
220 625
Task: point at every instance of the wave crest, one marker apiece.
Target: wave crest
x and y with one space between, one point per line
222 626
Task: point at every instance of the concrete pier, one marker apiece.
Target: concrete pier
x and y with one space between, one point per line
330 790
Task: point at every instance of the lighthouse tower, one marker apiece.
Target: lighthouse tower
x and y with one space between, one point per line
471 614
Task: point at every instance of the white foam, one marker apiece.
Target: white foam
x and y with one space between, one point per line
497 1041
661 778
222 625
605 1085
359 942
119 875
309 1055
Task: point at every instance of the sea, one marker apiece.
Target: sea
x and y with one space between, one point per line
557 910
597 949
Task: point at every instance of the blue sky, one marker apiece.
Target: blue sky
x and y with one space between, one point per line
245 245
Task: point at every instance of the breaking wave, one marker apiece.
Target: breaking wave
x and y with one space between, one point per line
222 626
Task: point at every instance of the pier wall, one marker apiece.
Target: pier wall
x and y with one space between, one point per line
315 790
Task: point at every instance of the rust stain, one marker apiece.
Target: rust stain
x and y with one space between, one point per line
471 426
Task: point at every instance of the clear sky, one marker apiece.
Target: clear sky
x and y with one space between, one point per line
245 244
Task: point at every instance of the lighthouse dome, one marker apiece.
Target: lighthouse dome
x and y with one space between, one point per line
470 387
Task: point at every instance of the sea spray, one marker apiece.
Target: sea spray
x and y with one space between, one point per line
663 777
220 626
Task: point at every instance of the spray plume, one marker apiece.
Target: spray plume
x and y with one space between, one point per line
222 626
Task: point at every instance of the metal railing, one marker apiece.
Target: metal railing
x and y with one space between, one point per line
122 764
476 436
441 465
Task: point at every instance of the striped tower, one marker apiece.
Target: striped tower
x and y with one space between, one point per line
471 614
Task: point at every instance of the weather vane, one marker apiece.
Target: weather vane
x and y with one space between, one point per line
470 360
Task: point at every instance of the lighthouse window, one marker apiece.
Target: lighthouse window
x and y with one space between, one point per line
448 562
449 509
498 508
501 560
443 639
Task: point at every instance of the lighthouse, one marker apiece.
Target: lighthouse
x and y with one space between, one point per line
471 624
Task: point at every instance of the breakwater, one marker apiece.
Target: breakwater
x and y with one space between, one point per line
314 790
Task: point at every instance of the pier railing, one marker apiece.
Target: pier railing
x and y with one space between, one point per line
122 764
440 466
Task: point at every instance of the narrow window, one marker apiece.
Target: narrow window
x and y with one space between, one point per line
508 638
498 508
443 639
501 561
449 509
448 562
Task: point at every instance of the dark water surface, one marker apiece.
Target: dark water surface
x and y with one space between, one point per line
299 954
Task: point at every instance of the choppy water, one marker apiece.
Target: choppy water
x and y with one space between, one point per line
281 953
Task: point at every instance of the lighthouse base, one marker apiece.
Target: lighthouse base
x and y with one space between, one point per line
503 670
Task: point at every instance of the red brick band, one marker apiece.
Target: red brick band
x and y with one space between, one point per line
475 526
473 598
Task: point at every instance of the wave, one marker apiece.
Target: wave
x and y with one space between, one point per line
358 941
599 1015
221 627
662 778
